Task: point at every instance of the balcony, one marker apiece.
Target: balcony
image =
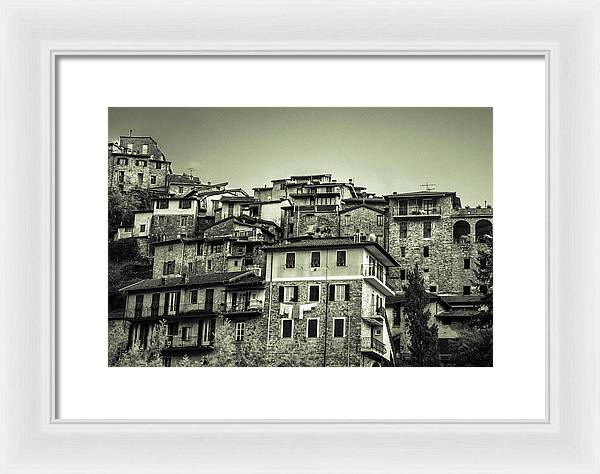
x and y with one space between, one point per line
177 342
251 306
417 211
372 346
251 236
375 275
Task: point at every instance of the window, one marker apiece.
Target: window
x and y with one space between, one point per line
190 267
314 293
152 179
380 220
209 264
208 332
144 149
129 148
341 258
312 327
425 270
427 230
162 220
169 267
122 161
288 294
281 186
240 329
339 327
142 163
397 316
198 248
339 292
291 229
483 289
185 203
377 331
403 251
183 221
180 189
347 220
142 228
403 230
170 248
287 328
185 333
140 178
290 260
167 362
173 302
162 204
194 296
426 251
315 259
467 263
433 289
158 165
402 274
466 290
172 329
121 177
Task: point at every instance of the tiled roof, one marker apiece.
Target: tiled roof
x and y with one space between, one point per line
178 281
421 194
366 206
183 179
463 299
457 313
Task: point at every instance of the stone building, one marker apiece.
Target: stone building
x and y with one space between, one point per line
431 229
363 222
136 162
193 308
449 312
325 302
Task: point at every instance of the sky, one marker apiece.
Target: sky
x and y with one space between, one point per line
384 149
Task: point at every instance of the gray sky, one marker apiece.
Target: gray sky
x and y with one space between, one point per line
385 149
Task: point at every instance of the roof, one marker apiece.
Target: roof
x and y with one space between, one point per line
421 194
335 242
366 206
139 211
251 280
237 198
401 298
457 313
180 281
183 179
464 299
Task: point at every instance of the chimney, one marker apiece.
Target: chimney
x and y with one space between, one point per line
130 132
349 180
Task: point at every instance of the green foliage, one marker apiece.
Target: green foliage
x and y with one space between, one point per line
229 353
137 356
423 338
117 342
121 207
121 275
474 347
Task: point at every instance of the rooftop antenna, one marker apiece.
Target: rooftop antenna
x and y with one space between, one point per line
192 171
428 186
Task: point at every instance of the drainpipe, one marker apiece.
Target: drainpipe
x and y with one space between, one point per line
326 306
270 300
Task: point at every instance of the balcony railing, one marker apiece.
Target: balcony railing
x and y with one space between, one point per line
417 211
370 344
372 270
176 342
245 306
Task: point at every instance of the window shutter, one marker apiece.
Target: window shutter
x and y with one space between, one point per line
177 300
331 292
164 268
212 330
166 304
347 292
295 293
281 290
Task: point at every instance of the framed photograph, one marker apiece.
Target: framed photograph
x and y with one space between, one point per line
261 237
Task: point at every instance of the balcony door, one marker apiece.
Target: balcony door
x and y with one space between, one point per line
208 301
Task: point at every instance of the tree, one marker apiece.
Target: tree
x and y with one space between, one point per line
137 356
474 347
423 338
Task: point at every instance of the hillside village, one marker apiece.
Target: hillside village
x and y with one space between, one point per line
309 270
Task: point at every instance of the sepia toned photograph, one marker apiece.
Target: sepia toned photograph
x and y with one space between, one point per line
300 237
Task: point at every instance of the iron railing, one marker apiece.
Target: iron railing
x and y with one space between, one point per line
372 344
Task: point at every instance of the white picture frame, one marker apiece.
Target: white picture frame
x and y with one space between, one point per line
36 34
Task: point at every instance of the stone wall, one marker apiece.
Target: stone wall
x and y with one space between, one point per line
169 226
364 221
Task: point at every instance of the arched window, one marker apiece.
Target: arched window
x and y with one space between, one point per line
461 232
483 227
